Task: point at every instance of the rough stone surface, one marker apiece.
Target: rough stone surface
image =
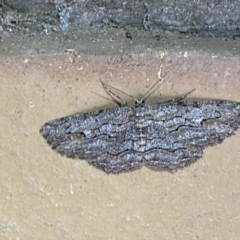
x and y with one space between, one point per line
207 18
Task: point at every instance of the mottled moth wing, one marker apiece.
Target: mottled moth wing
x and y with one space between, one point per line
189 127
164 135
98 137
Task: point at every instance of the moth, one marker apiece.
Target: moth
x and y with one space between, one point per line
165 135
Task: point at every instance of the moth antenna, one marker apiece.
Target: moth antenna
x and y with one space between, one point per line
111 94
110 99
150 91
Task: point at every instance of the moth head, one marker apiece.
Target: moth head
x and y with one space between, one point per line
139 103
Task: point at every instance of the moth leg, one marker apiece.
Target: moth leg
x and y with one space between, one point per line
180 98
113 95
119 98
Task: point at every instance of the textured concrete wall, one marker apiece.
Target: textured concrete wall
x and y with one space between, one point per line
52 57
217 18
